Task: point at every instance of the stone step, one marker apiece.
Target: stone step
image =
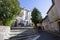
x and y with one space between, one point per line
22 37
33 37
16 32
20 34
17 28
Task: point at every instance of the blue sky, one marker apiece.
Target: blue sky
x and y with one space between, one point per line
41 5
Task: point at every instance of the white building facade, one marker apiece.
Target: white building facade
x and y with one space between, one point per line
26 17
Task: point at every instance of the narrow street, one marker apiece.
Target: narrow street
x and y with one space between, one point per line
32 34
29 19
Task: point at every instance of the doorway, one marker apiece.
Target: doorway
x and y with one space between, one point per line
59 25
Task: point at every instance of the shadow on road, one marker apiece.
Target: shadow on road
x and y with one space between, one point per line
30 33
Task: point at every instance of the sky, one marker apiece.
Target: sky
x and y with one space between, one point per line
42 5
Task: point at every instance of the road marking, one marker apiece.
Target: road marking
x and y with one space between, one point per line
36 37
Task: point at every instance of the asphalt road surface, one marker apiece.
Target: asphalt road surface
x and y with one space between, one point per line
47 36
32 34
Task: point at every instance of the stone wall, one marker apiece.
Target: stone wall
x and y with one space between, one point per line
54 27
4 32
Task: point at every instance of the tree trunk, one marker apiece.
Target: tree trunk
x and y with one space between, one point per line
35 25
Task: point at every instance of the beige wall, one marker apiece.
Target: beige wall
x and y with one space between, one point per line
44 23
46 27
54 27
53 14
57 3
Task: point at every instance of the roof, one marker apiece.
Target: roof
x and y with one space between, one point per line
45 17
25 9
51 6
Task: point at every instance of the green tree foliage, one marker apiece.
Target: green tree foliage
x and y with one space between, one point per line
8 11
36 16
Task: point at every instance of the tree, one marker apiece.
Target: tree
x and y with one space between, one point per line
36 16
9 9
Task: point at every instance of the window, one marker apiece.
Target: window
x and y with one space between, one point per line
52 13
46 26
26 17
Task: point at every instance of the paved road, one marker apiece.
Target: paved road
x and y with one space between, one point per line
31 34
47 36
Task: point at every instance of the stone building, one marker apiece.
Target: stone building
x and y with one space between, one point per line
26 17
45 23
54 16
